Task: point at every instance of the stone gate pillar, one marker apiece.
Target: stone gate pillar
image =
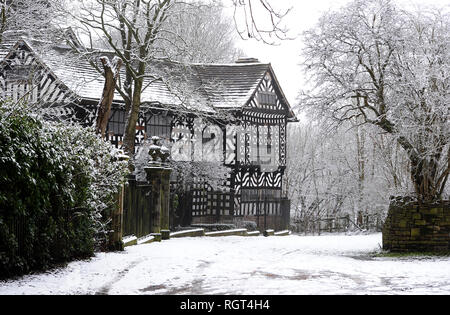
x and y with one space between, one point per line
154 199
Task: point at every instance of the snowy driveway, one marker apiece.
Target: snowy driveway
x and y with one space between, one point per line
248 266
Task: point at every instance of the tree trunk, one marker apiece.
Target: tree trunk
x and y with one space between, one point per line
429 185
132 119
104 107
424 177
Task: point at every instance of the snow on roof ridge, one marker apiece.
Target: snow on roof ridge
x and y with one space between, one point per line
231 64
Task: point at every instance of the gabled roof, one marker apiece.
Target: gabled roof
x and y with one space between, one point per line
87 83
202 87
236 82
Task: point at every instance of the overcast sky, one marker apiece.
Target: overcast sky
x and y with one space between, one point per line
285 57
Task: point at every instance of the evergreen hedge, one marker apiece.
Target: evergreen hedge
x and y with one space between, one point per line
57 183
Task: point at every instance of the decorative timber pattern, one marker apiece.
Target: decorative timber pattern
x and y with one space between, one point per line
266 96
23 74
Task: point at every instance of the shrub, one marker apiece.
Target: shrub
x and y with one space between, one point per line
57 183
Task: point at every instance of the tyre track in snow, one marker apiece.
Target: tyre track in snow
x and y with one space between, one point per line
193 288
104 290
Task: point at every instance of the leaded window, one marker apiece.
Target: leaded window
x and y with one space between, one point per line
116 124
267 98
255 194
158 126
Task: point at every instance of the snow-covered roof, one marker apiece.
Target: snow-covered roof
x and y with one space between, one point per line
236 82
201 87
87 83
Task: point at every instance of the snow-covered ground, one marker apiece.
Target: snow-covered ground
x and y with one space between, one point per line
248 266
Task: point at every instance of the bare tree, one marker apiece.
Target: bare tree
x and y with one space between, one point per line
140 25
260 20
383 66
346 171
203 35
38 18
320 174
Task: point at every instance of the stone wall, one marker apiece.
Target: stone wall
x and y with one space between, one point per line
414 227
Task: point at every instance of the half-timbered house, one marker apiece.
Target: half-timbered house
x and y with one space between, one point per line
234 114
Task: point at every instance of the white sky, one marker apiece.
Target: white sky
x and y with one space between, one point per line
286 57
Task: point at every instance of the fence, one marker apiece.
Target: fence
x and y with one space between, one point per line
17 227
363 222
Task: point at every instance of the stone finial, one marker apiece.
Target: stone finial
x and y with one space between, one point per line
165 154
158 151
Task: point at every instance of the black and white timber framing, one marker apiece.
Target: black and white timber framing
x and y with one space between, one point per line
252 144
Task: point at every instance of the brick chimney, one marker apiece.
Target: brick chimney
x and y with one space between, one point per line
247 60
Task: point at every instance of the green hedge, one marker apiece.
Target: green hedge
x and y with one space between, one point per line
57 183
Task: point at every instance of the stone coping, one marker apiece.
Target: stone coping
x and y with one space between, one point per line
146 240
236 232
283 233
188 233
129 240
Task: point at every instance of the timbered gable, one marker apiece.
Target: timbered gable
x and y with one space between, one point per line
24 76
268 96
